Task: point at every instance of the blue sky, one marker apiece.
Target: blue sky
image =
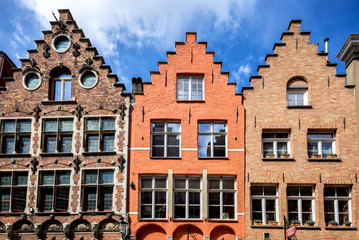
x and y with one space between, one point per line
134 35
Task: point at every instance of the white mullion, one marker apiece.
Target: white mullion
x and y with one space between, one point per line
190 88
212 140
221 198
320 148
300 211
264 211
153 197
336 211
165 141
187 199
275 148
97 189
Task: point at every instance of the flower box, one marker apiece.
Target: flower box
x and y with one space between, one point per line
273 223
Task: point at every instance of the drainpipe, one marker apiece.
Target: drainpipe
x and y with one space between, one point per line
326 46
126 167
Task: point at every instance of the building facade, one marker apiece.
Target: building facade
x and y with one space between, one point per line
301 145
63 136
187 150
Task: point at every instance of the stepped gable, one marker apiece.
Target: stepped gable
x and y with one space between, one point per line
52 55
292 53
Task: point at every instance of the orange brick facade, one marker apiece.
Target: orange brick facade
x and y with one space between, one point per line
330 108
159 102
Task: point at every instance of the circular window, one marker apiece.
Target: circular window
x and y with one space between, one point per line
31 81
88 79
61 43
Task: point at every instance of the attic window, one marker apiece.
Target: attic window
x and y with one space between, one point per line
88 79
61 43
297 92
31 81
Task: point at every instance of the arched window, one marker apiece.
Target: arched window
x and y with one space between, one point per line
60 84
297 92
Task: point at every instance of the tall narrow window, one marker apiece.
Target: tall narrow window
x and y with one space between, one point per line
187 197
54 189
153 197
212 139
300 203
13 191
337 204
320 144
165 139
190 88
15 136
276 144
264 202
60 84
97 190
100 134
221 197
57 135
297 93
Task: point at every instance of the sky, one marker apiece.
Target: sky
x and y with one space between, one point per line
133 35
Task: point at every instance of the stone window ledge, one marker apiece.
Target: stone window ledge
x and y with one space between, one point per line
267 227
99 153
308 228
279 159
15 155
52 213
324 160
300 107
52 102
341 228
59 154
97 213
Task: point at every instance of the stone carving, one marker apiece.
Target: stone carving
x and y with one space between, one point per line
81 225
66 231
8 230
52 226
109 225
23 226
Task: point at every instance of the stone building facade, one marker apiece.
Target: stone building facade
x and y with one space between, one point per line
187 150
301 145
64 123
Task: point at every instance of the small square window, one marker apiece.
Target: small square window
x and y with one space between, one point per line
190 88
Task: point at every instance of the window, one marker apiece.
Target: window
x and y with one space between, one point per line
276 144
61 42
264 203
88 79
54 188
97 189
15 136
187 197
297 93
190 88
322 144
61 84
337 204
300 203
221 197
13 191
100 134
31 80
153 197
165 139
57 135
212 139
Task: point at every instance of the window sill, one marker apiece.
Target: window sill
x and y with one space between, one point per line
223 220
98 153
279 159
213 158
15 155
59 154
308 228
188 220
167 158
153 220
341 228
324 160
267 226
97 213
52 213
8 214
190 101
302 106
52 102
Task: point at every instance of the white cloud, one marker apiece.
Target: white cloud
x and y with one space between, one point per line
242 74
135 23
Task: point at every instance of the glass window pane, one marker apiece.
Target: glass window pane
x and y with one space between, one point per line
48 178
5 179
257 206
158 127
173 140
173 152
219 151
146 183
228 183
67 90
32 80
92 124
180 198
146 197
108 143
160 211
50 144
66 125
213 184
219 140
270 205
214 212
180 211
88 79
193 212
92 141
58 90
293 191
219 127
228 198
173 127
24 126
313 135
25 144
50 125
48 199
160 183
204 127
108 124
257 190
267 135
329 206
213 198
9 127
180 183
270 190
306 191
204 152
63 178
146 211
62 43
329 191
326 135
90 177
107 195
106 177
228 212
90 198
342 191
204 140
62 199
21 179
9 145
158 140
306 205
160 197
5 200
194 183
158 151
66 145
293 206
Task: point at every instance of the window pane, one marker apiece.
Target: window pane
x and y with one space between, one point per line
293 191
91 178
158 127
160 197
9 127
270 205
306 191
204 151
267 135
180 183
313 135
5 179
20 196
158 140
173 140
62 199
146 183
90 199
108 142
106 177
50 144
293 216
25 126
108 124
326 135
214 212
158 151
67 90
146 197
146 211
21 179
173 152
270 190
213 198
213 184
173 127
219 152
48 178
63 178
25 144
194 183
329 191
327 148
107 195
342 191
66 145
50 126
257 205
58 90
228 212
92 141
180 198
48 198
228 183
160 211
257 190
306 205
66 125
219 127
9 145
204 140
329 206
88 79
180 211
5 200
194 212
293 206
160 183
219 140
228 198
204 127
282 148
92 124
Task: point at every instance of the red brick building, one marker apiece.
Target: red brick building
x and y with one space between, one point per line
63 144
187 150
301 145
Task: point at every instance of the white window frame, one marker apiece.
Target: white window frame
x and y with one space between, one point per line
212 133
221 191
336 202
275 141
153 189
187 191
189 79
321 140
298 91
264 198
299 198
166 133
